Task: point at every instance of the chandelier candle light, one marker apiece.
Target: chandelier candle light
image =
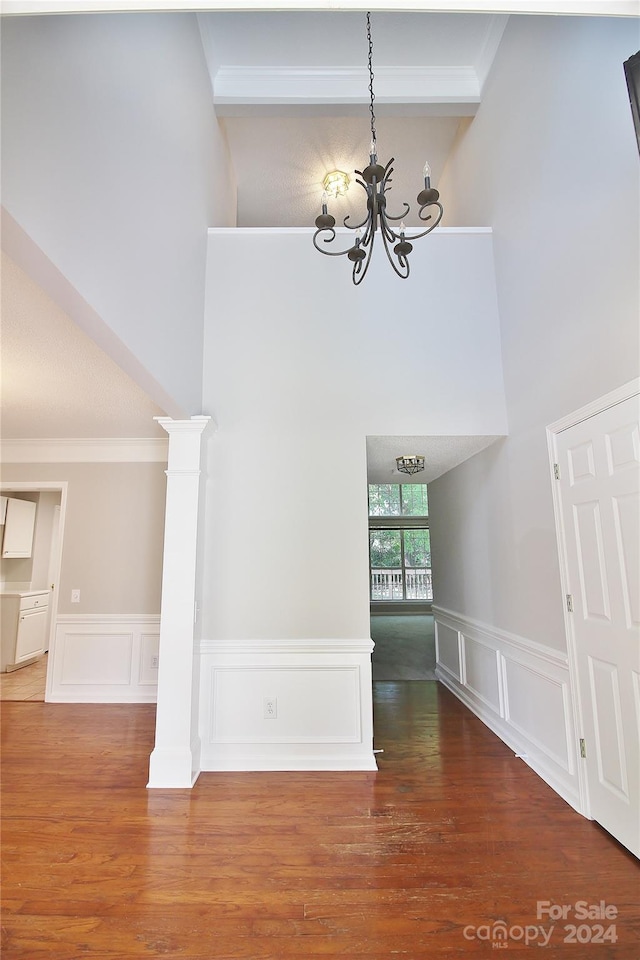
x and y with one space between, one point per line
375 181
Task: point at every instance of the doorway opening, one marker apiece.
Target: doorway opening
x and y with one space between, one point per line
29 587
400 582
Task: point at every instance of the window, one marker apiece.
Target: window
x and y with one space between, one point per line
398 499
399 542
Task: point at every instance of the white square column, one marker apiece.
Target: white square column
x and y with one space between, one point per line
175 760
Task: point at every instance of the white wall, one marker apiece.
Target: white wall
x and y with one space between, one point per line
551 163
299 367
113 163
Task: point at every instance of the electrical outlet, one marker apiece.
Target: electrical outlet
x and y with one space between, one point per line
155 660
75 596
270 705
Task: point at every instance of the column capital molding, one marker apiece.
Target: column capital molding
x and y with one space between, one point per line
194 425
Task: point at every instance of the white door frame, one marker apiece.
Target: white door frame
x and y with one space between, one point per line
625 392
36 486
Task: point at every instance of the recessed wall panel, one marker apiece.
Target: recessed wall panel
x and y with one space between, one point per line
481 672
538 707
447 648
313 705
97 659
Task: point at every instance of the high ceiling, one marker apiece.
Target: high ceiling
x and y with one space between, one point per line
291 89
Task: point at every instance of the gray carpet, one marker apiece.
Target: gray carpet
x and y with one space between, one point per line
405 648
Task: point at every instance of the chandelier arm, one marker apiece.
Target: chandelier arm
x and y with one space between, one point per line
404 263
434 203
431 226
329 253
370 231
356 226
406 210
359 273
386 230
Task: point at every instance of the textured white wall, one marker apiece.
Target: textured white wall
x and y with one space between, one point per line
114 164
299 367
551 163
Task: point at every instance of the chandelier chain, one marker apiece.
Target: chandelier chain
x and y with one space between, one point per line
371 93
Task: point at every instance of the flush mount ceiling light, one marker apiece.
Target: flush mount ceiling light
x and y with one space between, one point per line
336 184
410 463
375 181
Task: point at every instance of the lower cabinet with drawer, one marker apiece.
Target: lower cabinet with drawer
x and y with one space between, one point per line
24 628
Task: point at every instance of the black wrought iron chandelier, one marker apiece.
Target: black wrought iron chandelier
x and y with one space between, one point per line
410 463
376 181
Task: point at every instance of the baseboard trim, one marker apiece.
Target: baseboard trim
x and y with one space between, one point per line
280 764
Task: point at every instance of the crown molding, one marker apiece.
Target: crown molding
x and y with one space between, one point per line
99 450
241 90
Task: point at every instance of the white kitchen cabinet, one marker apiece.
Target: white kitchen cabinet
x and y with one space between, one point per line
18 528
24 628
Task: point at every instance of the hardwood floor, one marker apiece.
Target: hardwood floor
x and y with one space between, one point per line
420 860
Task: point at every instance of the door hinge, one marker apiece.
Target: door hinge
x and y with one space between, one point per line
556 471
583 749
570 602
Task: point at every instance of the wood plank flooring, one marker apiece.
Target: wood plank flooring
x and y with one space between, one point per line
419 860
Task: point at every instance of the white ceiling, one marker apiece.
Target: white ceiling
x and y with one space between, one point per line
56 382
441 454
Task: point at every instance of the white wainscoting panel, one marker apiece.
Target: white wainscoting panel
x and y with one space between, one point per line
519 688
481 672
104 659
448 649
321 716
536 705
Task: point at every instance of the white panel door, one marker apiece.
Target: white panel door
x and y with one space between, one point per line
599 461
